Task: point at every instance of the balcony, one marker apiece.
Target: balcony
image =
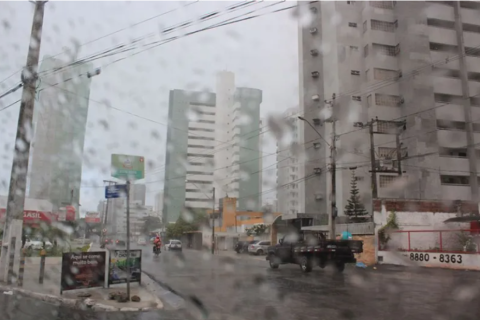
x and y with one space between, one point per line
442 35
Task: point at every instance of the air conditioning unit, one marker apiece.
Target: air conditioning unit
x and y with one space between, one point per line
318 196
386 163
315 74
315 97
313 30
314 52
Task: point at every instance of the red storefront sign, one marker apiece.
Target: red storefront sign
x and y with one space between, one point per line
32 216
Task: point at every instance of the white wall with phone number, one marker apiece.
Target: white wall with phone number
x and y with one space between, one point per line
429 259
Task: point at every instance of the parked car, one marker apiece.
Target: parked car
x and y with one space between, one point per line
242 246
120 243
174 245
141 242
37 244
259 248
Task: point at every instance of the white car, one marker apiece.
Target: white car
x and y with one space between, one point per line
174 245
142 242
37 244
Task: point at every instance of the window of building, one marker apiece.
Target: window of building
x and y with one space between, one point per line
198 200
382 4
439 23
355 72
386 181
386 127
196 163
443 47
443 72
356 98
199 155
365 26
206 121
386 50
387 100
352 24
386 153
447 3
383 25
200 173
470 5
472 52
450 125
201 129
452 152
365 51
200 147
467 27
448 98
385 74
454 180
354 48
200 138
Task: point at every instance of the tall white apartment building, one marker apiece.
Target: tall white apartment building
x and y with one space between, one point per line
237 155
289 184
189 155
396 60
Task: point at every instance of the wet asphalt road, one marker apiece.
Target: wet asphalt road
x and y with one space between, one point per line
231 288
246 289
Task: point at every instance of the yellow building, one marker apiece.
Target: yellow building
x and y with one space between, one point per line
229 220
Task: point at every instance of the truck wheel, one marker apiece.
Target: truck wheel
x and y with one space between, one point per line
273 261
305 264
340 266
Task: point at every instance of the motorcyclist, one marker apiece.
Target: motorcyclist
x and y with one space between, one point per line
157 243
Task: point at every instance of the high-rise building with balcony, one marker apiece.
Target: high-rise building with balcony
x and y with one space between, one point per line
416 61
212 140
289 184
238 152
59 120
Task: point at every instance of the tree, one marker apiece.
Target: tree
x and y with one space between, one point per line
257 230
355 209
150 224
177 229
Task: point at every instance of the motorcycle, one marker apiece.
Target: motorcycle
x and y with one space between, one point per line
157 249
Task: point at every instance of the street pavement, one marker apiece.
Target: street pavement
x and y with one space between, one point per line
243 287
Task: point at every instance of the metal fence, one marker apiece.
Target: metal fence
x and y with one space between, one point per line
451 241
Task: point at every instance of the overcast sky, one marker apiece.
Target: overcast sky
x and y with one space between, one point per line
262 53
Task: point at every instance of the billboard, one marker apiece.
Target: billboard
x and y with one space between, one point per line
118 269
127 167
92 217
81 270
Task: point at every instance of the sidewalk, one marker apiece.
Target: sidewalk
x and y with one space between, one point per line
95 298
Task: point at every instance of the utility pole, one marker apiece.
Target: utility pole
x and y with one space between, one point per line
399 151
18 176
129 271
333 169
373 161
213 222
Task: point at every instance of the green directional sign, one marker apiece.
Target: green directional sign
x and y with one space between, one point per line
128 167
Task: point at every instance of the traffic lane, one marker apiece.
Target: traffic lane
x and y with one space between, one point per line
246 288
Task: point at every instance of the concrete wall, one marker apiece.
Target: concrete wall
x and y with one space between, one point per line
432 242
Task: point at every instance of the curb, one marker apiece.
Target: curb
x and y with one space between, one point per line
171 299
87 303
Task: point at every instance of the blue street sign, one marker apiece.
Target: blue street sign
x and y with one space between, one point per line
116 191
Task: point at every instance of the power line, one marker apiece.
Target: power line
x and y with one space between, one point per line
11 104
112 33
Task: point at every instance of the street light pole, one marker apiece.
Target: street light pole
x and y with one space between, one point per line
18 176
213 222
333 167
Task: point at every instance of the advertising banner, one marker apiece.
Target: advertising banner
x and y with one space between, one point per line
119 266
81 270
127 167
92 217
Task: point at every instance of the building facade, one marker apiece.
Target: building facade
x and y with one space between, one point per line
138 192
288 184
189 155
59 119
392 61
238 152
